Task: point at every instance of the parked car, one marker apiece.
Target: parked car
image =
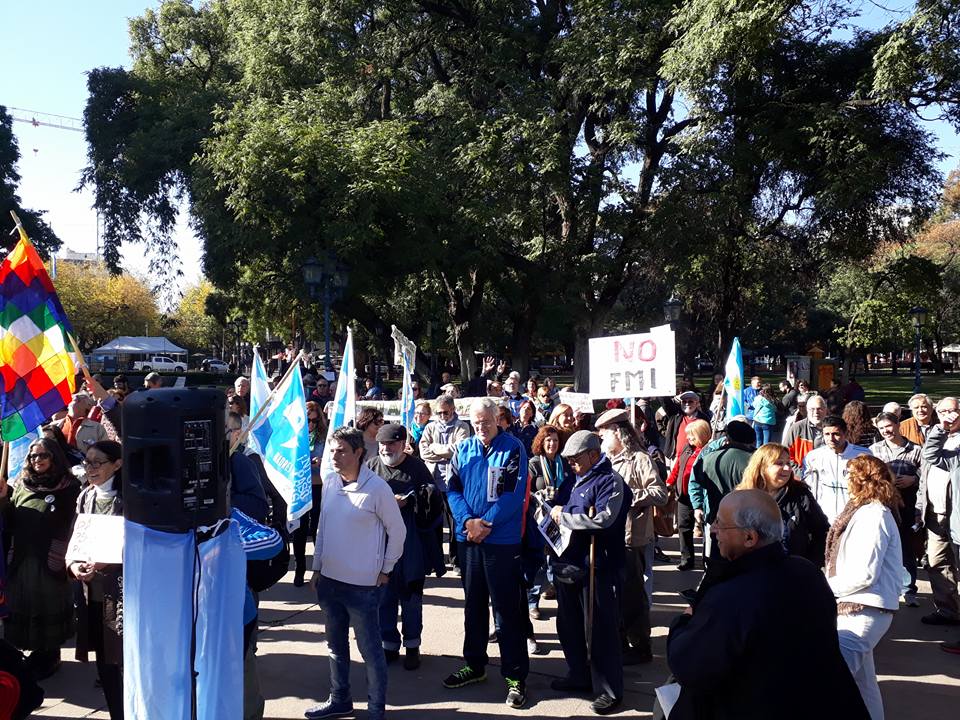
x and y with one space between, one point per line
215 365
160 362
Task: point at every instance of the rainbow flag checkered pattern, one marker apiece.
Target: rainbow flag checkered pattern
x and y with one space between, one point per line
38 375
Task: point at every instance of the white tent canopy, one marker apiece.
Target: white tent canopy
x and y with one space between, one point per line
126 345
953 348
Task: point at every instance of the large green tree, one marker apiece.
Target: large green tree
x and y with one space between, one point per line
515 160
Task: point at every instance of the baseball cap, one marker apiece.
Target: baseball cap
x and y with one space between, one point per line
391 432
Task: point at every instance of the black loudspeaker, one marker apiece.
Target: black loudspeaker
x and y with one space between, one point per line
176 469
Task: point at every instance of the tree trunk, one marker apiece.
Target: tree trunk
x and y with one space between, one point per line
464 299
524 321
934 356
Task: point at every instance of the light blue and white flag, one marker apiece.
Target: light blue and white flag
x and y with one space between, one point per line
283 441
18 454
344 402
733 382
259 385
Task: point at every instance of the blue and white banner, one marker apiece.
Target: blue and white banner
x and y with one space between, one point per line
406 394
18 454
733 382
259 387
283 441
344 402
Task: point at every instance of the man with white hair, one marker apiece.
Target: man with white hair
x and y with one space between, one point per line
922 418
938 508
79 431
719 650
242 388
893 408
487 494
805 435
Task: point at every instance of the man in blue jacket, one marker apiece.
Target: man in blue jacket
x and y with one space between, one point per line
487 492
597 514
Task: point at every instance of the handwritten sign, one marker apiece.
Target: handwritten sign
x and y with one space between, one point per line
580 402
97 538
642 365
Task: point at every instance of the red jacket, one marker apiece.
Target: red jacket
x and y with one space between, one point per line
688 456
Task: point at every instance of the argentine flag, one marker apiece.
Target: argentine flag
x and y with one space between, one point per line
733 382
344 403
282 440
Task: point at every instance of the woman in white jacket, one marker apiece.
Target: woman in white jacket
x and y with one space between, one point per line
864 569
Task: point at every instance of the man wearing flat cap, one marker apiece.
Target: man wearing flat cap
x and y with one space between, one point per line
622 444
402 597
690 411
597 514
716 475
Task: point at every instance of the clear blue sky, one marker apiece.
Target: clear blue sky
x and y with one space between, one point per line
49 46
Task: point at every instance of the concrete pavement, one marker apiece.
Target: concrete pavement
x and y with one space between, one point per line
916 678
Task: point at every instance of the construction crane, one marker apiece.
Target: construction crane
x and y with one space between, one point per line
61 122
58 122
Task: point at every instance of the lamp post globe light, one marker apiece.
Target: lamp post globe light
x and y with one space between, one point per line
325 279
672 308
918 316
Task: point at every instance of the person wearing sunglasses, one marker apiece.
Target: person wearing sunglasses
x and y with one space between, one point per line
38 513
368 422
100 605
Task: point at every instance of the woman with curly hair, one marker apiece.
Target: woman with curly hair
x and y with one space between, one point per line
865 570
804 524
860 428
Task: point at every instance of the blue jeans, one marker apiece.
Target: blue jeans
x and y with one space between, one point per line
410 610
763 432
358 605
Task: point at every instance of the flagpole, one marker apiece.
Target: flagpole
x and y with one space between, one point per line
266 403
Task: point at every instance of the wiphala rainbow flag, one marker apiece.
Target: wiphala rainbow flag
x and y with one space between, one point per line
38 374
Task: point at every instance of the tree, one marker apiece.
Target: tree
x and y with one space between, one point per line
102 306
191 326
40 232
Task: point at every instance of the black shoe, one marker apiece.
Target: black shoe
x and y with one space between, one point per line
685 565
411 659
690 595
634 656
938 618
661 557
516 693
390 655
569 685
493 637
604 704
298 578
463 677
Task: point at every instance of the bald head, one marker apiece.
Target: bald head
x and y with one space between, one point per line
747 520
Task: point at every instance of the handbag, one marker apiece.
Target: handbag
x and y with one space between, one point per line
665 516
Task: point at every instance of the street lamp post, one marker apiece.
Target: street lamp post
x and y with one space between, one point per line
325 279
918 315
671 309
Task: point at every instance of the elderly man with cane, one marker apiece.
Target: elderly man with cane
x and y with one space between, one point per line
589 575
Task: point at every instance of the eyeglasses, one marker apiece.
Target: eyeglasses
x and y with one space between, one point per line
94 464
39 456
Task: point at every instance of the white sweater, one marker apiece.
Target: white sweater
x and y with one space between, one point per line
869 562
361 531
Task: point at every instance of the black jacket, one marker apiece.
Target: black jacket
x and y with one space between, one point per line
673 427
763 644
804 524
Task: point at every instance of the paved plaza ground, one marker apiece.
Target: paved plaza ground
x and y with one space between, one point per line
917 679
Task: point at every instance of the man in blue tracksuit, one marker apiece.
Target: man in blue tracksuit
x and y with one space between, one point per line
487 490
597 514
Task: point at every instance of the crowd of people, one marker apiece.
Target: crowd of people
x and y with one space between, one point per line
810 510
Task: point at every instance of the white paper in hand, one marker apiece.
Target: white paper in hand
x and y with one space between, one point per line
97 538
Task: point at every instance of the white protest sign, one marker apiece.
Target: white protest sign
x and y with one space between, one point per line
97 538
580 402
642 365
